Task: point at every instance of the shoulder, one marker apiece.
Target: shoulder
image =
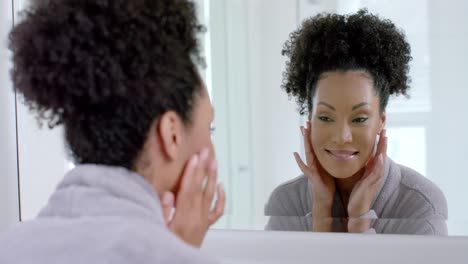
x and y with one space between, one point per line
294 188
420 195
290 198
107 240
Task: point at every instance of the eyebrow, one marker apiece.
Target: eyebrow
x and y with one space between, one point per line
354 107
360 105
327 105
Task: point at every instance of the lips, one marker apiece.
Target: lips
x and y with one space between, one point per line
342 154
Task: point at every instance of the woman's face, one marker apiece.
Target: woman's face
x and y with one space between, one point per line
345 121
198 134
195 137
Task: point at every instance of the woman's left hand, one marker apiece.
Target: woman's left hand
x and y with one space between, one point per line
366 188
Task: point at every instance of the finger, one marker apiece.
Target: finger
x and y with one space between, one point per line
200 172
381 148
381 144
384 150
308 146
194 192
377 173
167 201
218 210
189 174
185 197
370 166
301 164
309 140
210 187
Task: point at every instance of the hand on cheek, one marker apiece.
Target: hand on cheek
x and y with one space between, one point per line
366 188
193 212
323 184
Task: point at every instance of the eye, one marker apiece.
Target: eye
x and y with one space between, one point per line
325 119
360 120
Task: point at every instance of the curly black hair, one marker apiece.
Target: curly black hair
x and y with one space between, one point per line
332 42
106 69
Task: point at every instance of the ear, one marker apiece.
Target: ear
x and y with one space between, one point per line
170 128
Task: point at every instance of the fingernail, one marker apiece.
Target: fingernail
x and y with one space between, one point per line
194 160
204 154
167 199
221 187
214 165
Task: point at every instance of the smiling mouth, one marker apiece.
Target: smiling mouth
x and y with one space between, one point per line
342 154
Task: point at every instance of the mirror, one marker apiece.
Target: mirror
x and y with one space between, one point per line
257 125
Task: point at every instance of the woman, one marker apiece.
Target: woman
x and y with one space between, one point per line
121 77
343 69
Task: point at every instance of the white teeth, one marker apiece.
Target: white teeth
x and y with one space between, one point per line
344 156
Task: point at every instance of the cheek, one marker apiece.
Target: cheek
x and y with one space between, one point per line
366 140
201 139
318 136
207 143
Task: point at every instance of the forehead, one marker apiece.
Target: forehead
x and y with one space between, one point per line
345 88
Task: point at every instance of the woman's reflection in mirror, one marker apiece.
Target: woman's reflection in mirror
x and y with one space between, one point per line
342 69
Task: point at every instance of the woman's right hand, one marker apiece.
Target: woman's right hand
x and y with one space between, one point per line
193 213
323 184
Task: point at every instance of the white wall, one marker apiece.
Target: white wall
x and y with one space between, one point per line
275 133
42 161
447 147
9 205
41 152
256 125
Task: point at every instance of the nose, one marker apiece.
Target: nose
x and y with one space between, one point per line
343 134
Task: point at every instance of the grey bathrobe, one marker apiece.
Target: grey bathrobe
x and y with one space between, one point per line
98 214
406 203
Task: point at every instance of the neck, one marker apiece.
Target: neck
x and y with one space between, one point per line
147 169
345 186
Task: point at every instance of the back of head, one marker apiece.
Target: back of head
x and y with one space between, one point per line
106 69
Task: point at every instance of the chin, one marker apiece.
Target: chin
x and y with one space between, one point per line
340 175
341 172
